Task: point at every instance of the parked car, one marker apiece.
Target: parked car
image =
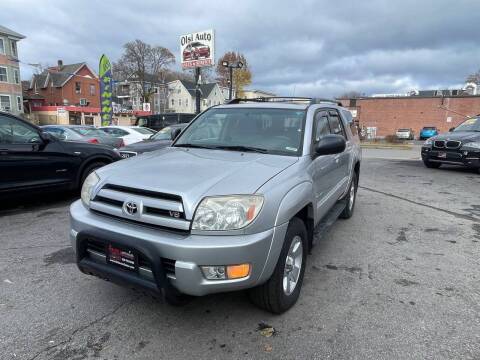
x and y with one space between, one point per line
82 133
405 134
160 121
231 205
32 160
161 139
460 146
129 134
427 132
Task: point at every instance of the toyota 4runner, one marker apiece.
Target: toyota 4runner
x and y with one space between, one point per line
232 204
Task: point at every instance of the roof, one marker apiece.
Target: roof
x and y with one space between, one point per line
205 89
58 76
268 105
8 32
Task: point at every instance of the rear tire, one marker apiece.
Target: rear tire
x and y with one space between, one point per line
282 290
431 165
89 169
351 197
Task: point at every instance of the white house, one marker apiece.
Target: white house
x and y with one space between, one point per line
181 96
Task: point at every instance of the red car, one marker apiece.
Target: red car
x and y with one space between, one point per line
196 50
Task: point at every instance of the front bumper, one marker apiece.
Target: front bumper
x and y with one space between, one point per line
453 157
171 258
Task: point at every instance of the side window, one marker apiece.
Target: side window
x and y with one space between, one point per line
14 132
336 123
321 125
120 132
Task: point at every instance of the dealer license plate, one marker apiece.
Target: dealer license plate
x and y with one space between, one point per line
442 155
121 257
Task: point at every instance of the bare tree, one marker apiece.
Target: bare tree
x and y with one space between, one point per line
139 62
475 78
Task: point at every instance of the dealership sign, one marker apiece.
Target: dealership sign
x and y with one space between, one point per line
197 49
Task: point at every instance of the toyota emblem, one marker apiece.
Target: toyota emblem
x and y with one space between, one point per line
130 207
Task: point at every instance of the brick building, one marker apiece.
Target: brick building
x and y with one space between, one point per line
10 88
384 115
67 85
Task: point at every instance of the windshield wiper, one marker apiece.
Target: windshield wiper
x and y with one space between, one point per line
194 146
242 148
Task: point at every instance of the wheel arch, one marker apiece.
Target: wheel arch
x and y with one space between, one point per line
92 159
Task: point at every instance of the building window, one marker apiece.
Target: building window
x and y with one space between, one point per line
78 87
2 47
179 102
5 102
16 76
19 103
186 102
92 89
3 74
13 44
173 102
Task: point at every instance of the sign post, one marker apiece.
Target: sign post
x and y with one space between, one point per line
105 73
197 50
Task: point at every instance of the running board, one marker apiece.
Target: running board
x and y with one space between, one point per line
328 220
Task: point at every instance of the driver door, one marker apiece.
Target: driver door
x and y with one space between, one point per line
23 161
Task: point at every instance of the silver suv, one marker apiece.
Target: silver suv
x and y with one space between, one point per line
231 205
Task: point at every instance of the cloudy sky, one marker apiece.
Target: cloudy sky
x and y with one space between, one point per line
311 48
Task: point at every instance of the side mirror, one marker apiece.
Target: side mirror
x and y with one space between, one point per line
47 137
451 129
175 133
330 144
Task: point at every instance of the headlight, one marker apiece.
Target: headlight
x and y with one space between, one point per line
471 145
87 188
428 142
227 212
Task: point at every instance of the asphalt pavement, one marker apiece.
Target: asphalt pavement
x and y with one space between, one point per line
399 280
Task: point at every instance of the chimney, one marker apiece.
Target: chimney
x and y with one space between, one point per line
60 64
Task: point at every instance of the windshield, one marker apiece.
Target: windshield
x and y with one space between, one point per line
164 134
469 125
143 131
276 131
429 128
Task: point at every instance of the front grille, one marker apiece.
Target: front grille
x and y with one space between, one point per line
150 207
440 144
452 144
448 144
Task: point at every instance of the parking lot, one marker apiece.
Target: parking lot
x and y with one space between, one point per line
399 280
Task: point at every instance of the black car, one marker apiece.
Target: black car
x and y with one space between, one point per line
159 121
460 146
33 160
161 139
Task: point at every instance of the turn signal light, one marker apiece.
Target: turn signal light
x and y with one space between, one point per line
238 271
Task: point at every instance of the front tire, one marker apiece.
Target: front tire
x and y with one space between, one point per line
282 290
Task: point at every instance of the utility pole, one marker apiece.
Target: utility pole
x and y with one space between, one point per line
197 90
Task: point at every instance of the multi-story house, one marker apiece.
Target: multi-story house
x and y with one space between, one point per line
181 96
67 85
129 95
10 86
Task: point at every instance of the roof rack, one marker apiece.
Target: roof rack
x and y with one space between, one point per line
307 100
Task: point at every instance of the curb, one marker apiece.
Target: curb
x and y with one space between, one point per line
386 146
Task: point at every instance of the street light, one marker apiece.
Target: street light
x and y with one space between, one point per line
231 66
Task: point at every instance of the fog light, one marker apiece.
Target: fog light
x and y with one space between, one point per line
238 271
214 272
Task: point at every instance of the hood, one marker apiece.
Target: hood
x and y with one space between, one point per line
146 145
195 173
463 136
